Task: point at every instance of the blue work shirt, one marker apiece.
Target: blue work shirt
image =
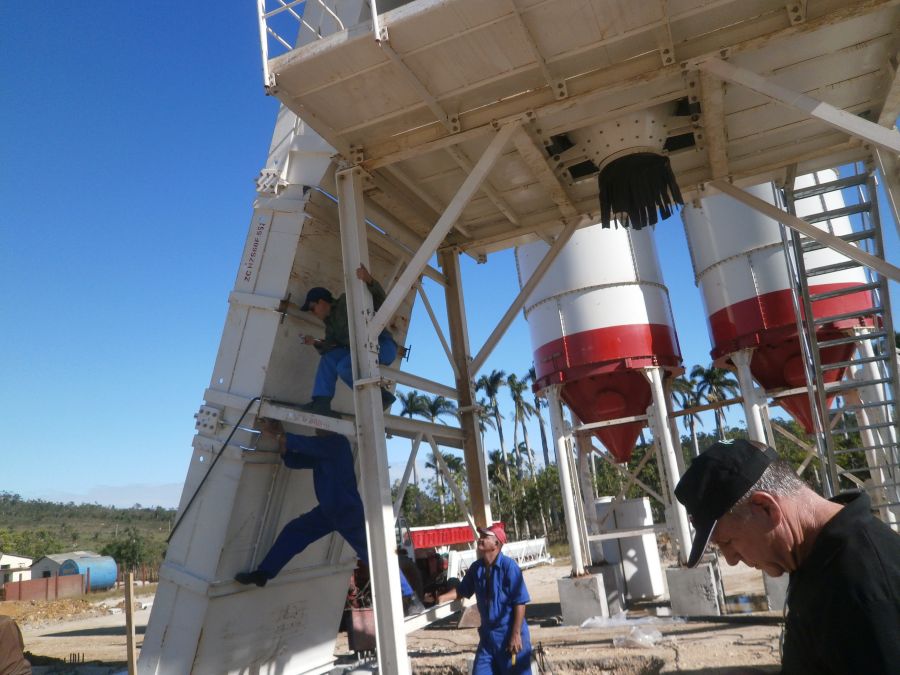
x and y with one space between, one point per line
334 479
495 601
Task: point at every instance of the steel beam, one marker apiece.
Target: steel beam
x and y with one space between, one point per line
370 432
663 437
835 117
404 482
804 228
567 486
437 326
414 270
753 401
473 452
522 297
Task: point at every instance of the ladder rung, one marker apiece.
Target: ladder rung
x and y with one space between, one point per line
863 406
864 448
849 290
813 245
853 362
862 207
828 269
856 384
821 321
873 467
822 188
853 430
874 335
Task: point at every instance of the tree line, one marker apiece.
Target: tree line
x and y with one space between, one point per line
132 536
525 493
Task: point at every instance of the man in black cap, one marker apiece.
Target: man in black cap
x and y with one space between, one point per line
335 348
844 564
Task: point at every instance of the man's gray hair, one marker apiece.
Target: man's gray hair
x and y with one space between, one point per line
779 479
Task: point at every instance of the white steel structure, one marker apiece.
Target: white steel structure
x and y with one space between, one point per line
428 123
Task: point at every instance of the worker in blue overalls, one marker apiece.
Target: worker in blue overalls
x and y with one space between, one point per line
496 580
340 508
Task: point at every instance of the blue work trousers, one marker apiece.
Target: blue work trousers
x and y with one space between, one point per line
336 363
311 526
491 657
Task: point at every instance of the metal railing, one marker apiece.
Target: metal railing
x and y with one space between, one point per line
287 24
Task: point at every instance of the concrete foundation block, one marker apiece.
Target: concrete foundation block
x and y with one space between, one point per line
582 598
694 592
776 590
614 583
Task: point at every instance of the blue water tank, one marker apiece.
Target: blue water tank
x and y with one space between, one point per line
102 570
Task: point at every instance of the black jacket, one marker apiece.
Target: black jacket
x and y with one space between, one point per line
844 600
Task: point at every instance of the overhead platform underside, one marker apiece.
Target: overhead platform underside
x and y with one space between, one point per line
417 109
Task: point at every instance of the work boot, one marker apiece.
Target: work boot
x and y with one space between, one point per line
387 399
320 405
257 577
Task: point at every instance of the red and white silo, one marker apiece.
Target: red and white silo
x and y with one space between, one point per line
598 318
740 267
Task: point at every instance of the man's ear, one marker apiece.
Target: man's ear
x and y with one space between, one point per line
769 506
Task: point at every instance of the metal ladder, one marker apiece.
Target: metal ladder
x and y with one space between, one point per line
857 434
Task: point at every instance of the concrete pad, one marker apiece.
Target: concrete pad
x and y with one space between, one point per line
614 583
694 592
582 598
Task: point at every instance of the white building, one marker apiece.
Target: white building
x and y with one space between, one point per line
14 567
48 565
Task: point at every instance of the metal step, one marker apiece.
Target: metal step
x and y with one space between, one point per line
823 188
853 362
863 207
849 290
873 467
864 448
874 335
812 245
853 430
858 314
828 269
856 384
864 406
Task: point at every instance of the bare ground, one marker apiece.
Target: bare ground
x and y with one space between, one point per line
95 632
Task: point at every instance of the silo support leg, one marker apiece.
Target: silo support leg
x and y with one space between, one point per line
753 400
561 439
658 415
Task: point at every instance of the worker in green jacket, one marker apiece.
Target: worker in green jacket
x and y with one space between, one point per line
334 349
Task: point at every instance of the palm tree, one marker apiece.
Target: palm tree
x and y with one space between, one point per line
491 384
714 385
687 396
439 482
522 412
484 417
538 404
437 406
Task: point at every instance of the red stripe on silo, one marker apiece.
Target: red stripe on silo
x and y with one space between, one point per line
741 324
651 343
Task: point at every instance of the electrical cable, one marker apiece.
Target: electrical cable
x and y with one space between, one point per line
209 470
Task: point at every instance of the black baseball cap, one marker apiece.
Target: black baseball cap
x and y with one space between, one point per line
715 481
315 294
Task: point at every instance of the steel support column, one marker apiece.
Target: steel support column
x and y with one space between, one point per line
473 453
370 434
658 413
754 401
560 435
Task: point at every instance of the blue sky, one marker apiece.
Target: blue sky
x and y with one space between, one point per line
131 137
